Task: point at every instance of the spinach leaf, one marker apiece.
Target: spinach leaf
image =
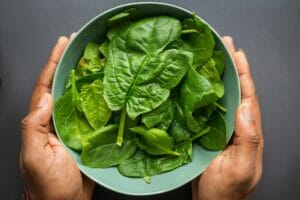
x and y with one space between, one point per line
103 48
70 122
219 58
142 164
161 117
201 43
116 29
152 35
197 91
94 105
154 141
91 51
90 61
75 94
124 16
178 132
88 79
202 114
102 151
210 71
145 75
215 139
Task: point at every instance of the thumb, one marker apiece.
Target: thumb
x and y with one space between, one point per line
246 138
34 131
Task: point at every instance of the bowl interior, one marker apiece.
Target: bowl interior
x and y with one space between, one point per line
95 30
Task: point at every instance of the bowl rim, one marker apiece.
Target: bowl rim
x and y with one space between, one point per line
90 21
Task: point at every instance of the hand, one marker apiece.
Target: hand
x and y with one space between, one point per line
46 166
237 170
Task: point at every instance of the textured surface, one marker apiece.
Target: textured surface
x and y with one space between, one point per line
267 30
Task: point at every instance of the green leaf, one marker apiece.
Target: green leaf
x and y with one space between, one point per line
103 48
201 43
71 123
91 51
124 16
101 150
215 139
145 74
178 132
219 58
94 105
161 117
142 164
154 141
117 29
178 129
90 62
209 71
88 79
135 67
152 35
196 92
76 101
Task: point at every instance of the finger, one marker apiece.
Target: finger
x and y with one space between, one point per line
249 96
246 81
34 132
246 140
229 44
247 86
44 81
72 36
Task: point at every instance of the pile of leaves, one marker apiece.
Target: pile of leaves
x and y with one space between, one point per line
145 96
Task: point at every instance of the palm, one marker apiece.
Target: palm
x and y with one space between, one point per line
66 172
225 174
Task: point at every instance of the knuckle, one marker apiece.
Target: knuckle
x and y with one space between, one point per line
253 138
241 177
25 122
253 99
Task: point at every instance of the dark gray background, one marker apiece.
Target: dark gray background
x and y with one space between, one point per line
268 31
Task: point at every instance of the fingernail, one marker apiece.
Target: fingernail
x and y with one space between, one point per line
229 38
72 36
61 38
241 50
248 112
43 100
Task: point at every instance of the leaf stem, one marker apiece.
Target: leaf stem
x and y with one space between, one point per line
189 31
202 132
220 107
121 127
173 153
